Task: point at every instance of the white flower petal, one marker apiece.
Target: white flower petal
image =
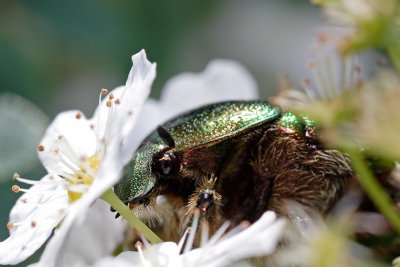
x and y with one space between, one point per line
76 216
67 138
164 254
75 212
151 115
125 259
119 119
222 80
109 172
137 89
138 85
259 239
96 237
35 215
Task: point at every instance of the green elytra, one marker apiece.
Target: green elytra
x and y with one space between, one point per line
199 128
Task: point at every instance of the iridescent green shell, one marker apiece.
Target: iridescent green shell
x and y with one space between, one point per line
217 122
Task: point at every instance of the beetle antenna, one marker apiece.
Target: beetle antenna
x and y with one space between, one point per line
165 136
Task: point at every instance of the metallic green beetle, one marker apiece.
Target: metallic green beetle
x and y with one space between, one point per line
233 161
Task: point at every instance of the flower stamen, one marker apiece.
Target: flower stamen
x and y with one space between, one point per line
307 88
146 243
108 124
78 188
18 178
90 168
80 180
66 149
139 247
103 91
183 238
69 164
218 233
205 229
192 234
26 181
243 225
11 225
16 189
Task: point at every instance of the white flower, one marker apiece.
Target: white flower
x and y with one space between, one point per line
223 249
221 80
372 23
350 12
84 158
332 75
315 241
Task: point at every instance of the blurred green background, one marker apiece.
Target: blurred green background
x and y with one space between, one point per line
58 54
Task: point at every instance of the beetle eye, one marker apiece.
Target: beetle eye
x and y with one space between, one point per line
167 163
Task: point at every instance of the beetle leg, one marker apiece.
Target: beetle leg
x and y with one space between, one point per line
206 202
117 214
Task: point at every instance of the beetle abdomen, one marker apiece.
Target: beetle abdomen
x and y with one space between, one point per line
280 164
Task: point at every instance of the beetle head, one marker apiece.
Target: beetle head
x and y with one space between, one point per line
154 159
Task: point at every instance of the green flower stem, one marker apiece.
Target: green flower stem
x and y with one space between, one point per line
111 198
374 190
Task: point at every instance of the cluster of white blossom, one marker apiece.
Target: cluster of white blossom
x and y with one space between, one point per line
85 157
